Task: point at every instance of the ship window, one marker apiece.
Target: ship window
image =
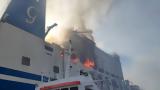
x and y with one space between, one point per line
56 69
89 87
74 88
48 48
49 54
64 89
25 61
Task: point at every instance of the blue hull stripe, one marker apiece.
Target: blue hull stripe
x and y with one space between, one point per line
21 74
13 85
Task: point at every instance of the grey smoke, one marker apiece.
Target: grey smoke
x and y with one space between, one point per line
76 19
81 15
3 6
83 47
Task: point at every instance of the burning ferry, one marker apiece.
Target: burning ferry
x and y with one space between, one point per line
28 62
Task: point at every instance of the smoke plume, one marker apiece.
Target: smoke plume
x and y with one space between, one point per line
79 15
76 19
3 6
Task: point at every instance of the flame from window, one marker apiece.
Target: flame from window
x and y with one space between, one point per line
89 63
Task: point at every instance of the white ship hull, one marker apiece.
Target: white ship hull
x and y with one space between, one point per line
16 43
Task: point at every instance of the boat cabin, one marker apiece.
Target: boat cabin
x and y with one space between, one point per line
74 84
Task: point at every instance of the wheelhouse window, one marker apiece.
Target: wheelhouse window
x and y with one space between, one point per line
88 89
74 88
64 89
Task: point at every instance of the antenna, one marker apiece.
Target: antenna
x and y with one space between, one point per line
50 27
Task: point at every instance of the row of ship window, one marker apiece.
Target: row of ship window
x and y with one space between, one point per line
102 71
26 62
72 88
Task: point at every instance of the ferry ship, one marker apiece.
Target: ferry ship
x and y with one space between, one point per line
28 62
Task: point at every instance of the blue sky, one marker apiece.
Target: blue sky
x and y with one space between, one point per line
132 29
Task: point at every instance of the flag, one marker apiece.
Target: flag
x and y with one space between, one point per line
28 15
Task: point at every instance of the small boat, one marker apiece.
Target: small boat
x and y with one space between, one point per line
72 83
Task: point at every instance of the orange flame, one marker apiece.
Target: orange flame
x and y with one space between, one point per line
89 63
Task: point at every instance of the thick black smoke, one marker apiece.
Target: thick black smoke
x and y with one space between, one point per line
82 46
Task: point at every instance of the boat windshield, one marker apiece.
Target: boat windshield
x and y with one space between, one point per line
68 88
